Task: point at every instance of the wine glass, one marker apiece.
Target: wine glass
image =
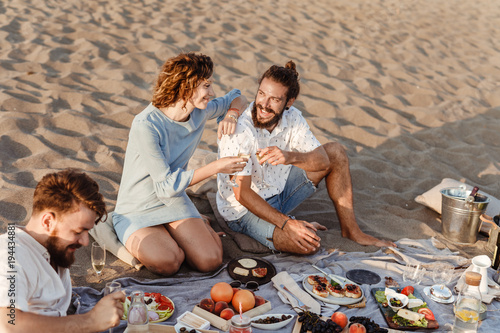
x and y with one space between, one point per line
414 273
442 274
98 255
262 142
110 288
243 150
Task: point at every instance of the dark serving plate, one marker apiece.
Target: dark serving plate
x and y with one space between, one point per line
362 276
261 263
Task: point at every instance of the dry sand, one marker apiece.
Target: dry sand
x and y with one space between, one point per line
411 88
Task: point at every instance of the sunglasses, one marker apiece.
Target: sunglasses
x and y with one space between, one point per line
252 285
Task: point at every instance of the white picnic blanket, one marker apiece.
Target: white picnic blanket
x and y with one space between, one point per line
187 291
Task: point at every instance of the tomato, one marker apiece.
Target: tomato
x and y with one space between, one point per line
164 307
407 290
427 313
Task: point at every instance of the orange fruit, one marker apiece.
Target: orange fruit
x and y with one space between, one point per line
221 291
245 298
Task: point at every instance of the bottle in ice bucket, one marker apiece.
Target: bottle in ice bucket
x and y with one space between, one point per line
240 324
468 304
137 313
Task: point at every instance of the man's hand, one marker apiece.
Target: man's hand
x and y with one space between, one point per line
303 234
108 311
273 155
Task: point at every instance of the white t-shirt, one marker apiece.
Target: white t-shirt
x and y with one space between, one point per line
27 279
291 134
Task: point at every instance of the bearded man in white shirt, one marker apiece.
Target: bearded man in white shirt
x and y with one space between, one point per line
285 172
35 283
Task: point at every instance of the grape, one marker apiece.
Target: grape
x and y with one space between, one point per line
311 322
370 325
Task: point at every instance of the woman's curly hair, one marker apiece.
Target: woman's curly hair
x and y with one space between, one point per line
179 77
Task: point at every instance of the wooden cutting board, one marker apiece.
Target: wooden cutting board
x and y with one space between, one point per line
298 325
223 324
158 328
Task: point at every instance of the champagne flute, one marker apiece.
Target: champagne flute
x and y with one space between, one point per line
98 255
414 273
442 274
243 151
110 288
262 142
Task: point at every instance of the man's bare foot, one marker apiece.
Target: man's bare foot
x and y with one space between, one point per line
365 239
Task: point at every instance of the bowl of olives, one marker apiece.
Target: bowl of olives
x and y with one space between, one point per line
271 321
397 301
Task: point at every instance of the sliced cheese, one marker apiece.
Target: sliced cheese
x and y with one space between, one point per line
247 262
389 291
241 271
414 302
410 315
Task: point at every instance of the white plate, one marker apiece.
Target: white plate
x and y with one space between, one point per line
274 326
330 298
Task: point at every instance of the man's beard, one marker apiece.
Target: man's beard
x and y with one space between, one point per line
270 123
59 254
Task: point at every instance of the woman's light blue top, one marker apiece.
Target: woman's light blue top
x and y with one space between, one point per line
154 179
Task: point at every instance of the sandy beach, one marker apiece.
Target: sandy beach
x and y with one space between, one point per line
410 88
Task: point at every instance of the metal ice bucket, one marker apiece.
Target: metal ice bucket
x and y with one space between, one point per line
460 219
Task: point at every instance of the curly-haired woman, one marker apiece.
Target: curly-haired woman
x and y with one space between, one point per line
154 218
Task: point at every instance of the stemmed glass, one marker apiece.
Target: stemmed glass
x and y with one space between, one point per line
244 150
414 273
442 274
98 255
262 142
110 288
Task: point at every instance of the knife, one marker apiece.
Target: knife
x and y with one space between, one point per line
331 276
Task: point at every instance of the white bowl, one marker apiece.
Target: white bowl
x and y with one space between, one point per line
274 326
401 297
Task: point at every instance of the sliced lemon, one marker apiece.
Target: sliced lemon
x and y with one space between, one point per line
467 315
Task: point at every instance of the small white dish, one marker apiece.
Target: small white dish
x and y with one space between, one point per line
400 297
274 326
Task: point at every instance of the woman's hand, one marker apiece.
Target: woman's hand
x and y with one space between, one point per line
231 164
228 125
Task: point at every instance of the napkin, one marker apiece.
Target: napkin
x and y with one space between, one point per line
283 278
